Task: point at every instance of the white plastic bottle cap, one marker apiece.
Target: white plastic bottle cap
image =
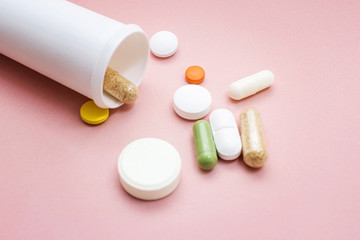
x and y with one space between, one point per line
163 44
192 101
149 168
226 134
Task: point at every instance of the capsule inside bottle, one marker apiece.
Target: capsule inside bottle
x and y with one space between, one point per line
119 87
254 149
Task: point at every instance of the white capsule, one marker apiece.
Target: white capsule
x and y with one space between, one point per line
226 134
250 85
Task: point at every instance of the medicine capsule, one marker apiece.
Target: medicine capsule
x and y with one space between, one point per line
250 85
254 150
119 87
204 145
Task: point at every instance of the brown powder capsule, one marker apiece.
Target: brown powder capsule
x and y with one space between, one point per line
119 87
254 150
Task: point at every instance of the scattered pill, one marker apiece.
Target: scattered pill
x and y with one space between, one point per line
251 84
92 114
204 145
254 150
163 44
194 74
226 134
149 168
192 101
119 87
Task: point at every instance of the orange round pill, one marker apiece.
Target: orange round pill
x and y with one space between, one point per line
194 74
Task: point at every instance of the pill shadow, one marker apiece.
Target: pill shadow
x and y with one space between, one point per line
238 162
145 206
241 163
162 59
259 96
26 81
122 109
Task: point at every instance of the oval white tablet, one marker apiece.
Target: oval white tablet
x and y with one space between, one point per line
192 101
226 134
149 168
163 44
251 84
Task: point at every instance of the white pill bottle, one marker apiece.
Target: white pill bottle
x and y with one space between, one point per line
72 45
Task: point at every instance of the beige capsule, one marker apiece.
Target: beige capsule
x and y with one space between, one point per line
119 87
254 150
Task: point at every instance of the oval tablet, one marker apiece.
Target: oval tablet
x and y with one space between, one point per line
226 134
163 44
149 168
192 101
250 85
204 145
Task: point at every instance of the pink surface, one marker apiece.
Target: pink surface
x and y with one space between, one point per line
58 176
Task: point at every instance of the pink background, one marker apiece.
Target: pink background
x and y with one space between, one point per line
58 176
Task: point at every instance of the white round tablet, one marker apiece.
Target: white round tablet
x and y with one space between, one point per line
149 168
163 44
192 101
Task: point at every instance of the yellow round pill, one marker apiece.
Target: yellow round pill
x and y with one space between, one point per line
92 114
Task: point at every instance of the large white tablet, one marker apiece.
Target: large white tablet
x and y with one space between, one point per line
149 168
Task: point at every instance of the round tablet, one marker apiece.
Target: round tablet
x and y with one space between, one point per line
192 101
149 168
194 74
92 114
163 44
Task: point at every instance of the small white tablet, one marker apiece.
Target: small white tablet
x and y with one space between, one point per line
149 168
192 101
163 44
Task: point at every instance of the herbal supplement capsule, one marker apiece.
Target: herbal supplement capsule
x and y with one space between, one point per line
119 87
204 145
254 150
149 168
250 85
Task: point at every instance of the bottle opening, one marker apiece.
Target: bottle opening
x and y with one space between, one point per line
130 54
